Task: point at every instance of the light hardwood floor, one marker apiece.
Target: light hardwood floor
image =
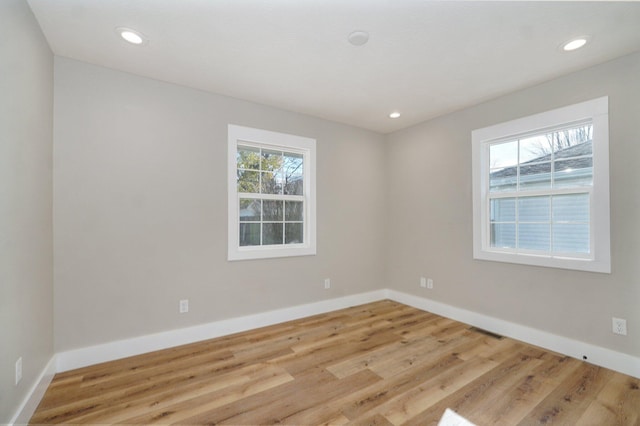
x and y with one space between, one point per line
376 364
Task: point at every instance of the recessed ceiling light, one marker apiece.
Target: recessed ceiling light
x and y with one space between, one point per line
574 44
358 38
131 36
394 114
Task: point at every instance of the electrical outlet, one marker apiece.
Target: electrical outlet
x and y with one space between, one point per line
430 284
423 282
327 283
184 306
18 370
619 326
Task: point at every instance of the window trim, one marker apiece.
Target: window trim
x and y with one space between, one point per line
595 110
241 135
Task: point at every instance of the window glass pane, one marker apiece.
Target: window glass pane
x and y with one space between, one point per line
571 238
250 210
573 142
293 170
583 149
294 186
293 211
248 157
573 172
293 233
248 181
501 180
535 176
503 155
272 210
271 160
272 233
533 209
503 235
535 149
503 210
534 236
571 208
249 234
271 182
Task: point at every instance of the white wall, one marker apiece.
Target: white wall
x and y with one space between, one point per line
26 118
430 221
141 218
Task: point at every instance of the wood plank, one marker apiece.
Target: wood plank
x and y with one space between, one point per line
179 411
392 390
568 401
284 411
616 404
375 420
515 402
405 407
484 391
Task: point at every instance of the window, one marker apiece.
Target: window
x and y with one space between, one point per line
271 194
541 189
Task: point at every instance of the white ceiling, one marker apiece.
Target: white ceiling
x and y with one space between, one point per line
424 58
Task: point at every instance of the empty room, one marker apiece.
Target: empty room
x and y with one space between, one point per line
319 212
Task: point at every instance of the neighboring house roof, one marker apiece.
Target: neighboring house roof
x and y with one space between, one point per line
578 157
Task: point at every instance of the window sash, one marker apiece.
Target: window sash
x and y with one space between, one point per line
284 221
595 111
518 195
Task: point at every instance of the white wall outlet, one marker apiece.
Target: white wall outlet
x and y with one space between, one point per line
184 306
430 284
423 282
327 283
619 326
18 370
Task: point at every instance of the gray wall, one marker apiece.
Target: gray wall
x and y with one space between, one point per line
140 209
430 217
140 212
26 117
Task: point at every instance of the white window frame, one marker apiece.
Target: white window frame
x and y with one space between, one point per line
240 135
596 111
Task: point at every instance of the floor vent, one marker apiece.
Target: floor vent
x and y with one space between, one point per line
486 333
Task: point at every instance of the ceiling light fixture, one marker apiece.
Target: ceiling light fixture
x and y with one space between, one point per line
131 36
394 114
575 43
358 38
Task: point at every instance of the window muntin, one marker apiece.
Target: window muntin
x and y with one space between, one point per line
271 196
541 197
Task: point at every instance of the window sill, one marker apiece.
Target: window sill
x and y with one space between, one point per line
577 264
270 252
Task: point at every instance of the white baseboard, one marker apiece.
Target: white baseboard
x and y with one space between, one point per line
83 357
35 394
597 355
